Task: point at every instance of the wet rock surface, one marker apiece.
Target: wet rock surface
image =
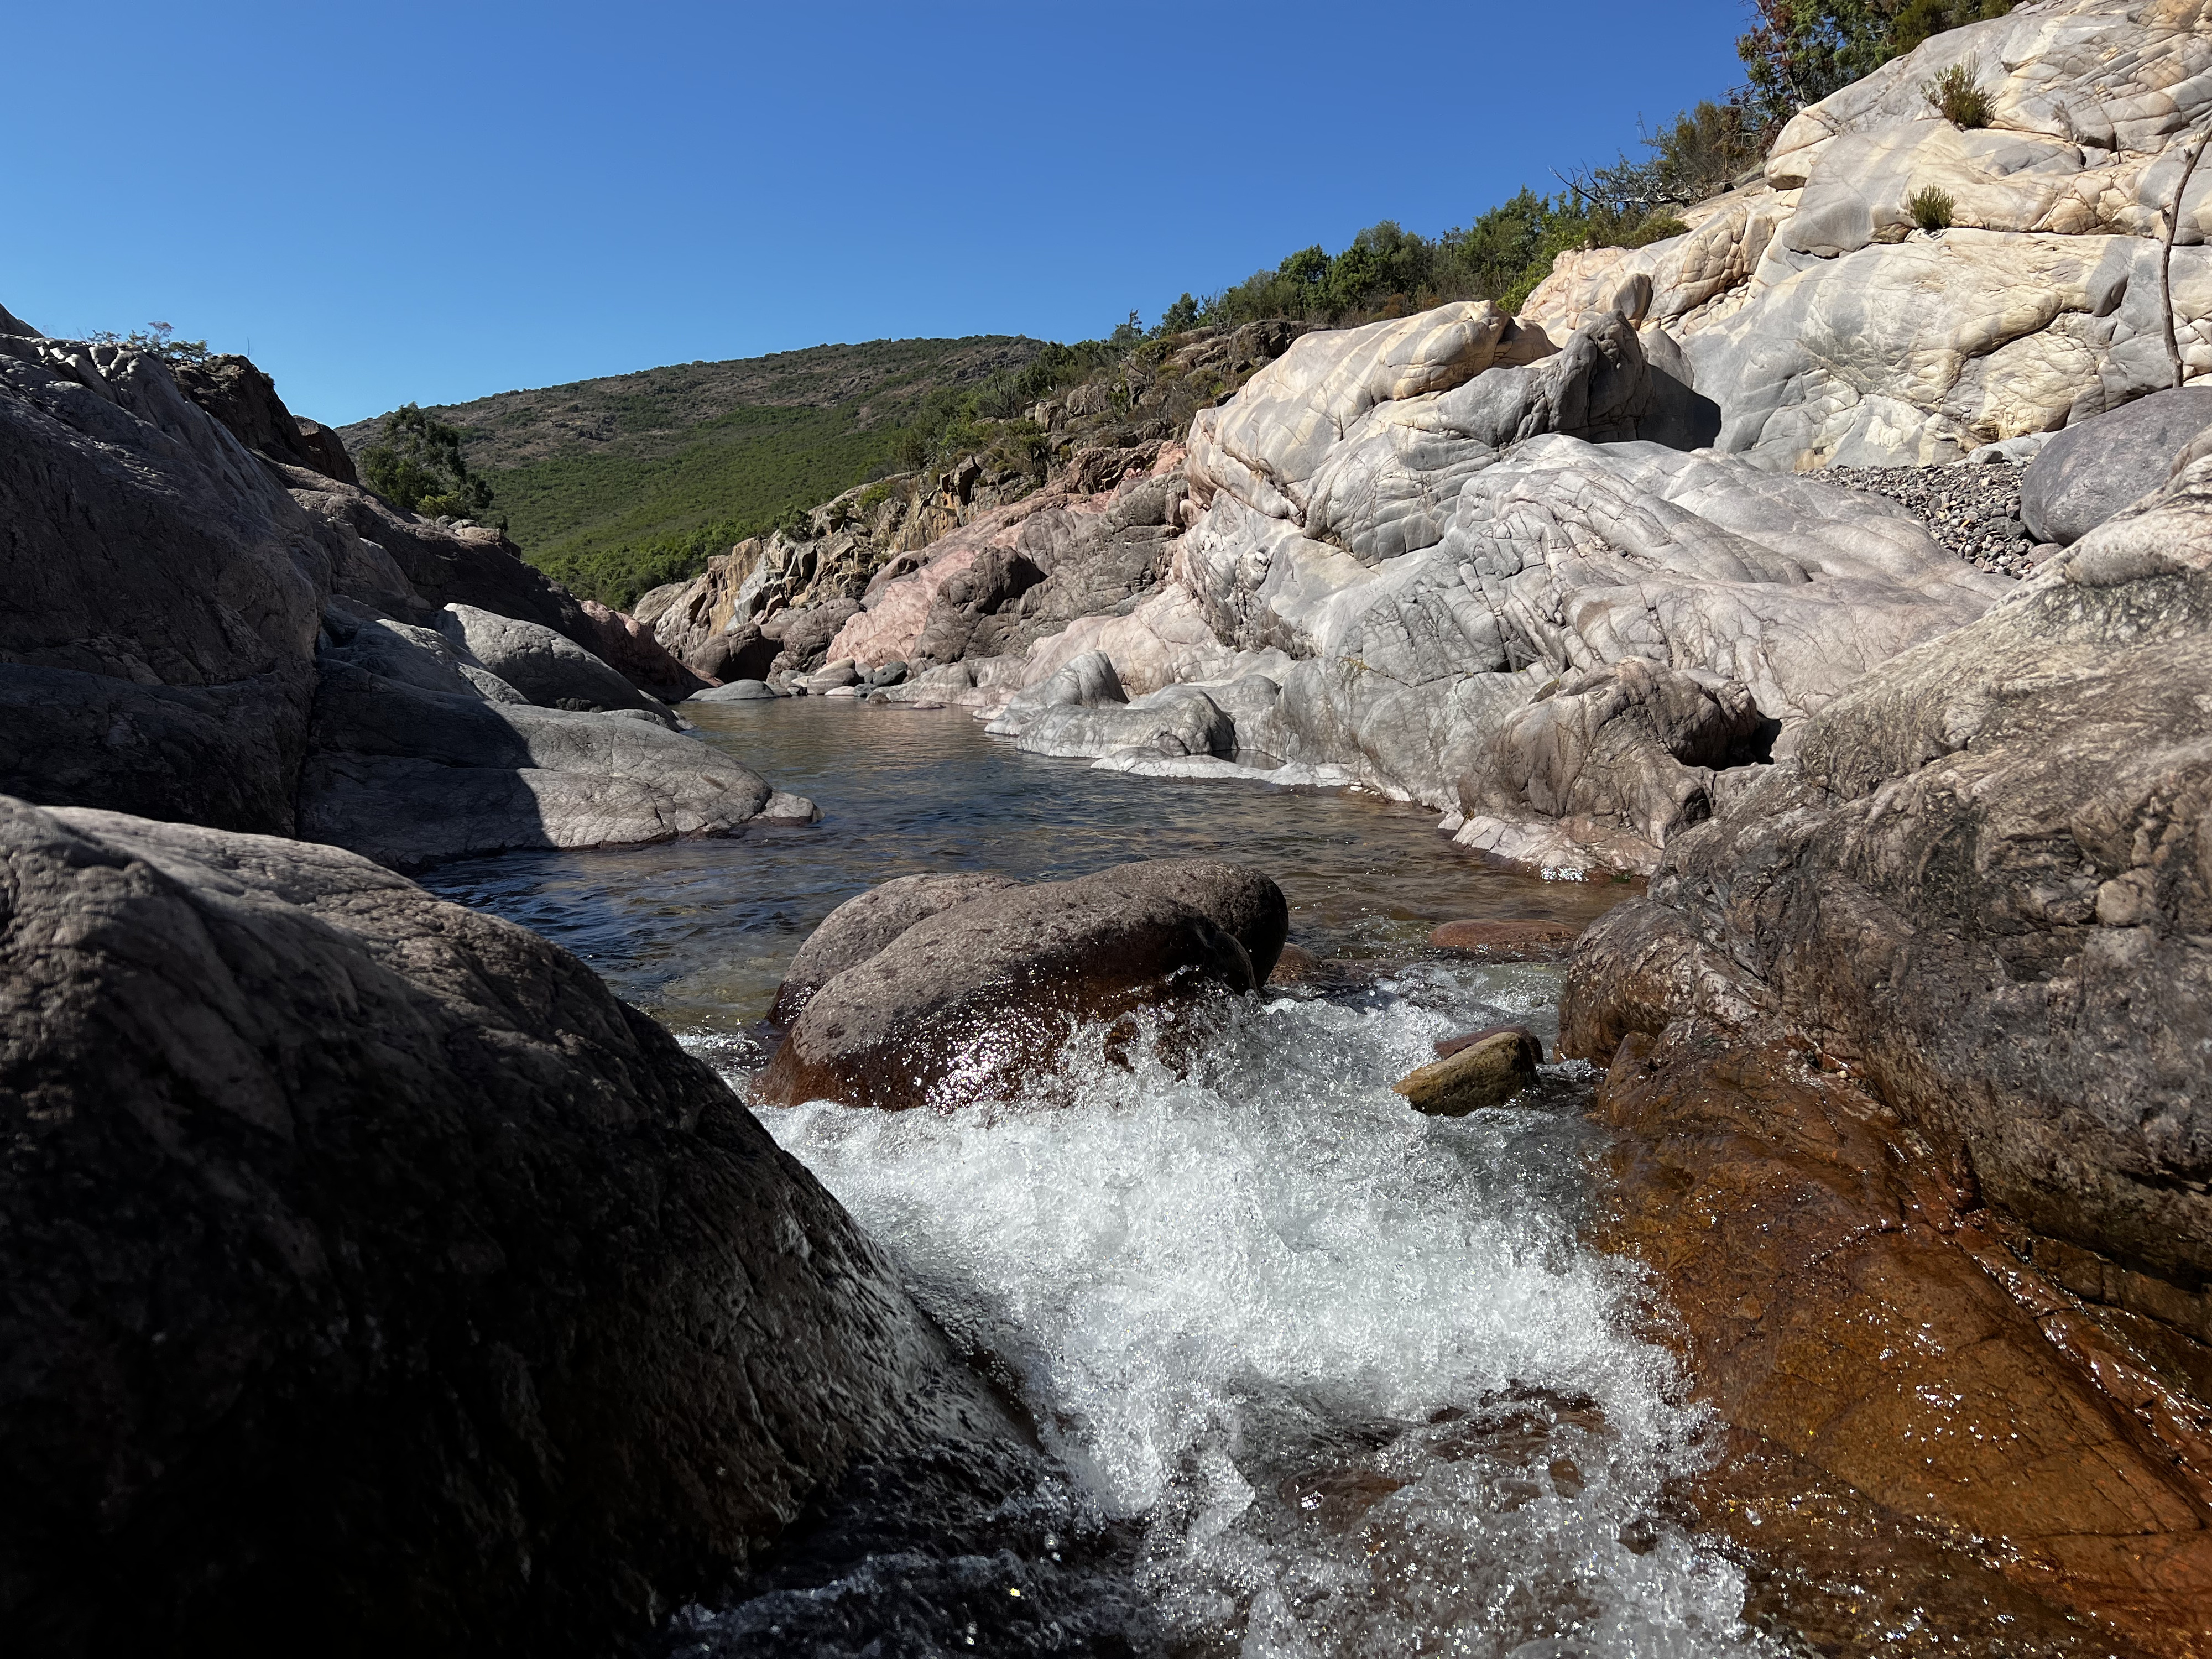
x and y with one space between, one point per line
1922 1432
1475 1073
371 1269
1904 1053
974 998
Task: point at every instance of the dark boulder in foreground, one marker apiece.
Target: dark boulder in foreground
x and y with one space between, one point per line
975 1000
1909 1053
373 1278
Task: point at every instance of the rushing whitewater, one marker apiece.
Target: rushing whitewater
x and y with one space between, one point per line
1319 1375
1346 1368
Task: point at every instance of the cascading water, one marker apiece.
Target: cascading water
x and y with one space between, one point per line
1319 1374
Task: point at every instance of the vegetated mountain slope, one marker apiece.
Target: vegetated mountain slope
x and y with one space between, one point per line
604 482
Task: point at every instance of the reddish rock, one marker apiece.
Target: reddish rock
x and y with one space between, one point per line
627 646
1912 1410
1507 940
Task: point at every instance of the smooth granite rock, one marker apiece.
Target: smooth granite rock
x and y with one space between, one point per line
409 776
546 667
2082 475
371 1270
978 1001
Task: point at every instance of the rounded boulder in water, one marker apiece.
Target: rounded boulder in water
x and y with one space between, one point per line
979 999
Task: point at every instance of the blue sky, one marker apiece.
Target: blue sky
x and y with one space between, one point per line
433 202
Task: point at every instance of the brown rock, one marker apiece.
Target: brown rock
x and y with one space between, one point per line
974 1001
1294 966
861 927
1896 1380
1447 1047
1507 940
1494 1067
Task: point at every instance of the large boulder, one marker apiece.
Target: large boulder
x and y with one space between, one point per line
411 775
978 1001
861 927
546 667
156 650
2089 472
369 1270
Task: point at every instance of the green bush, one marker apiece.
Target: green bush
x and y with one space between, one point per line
1930 208
415 464
1956 94
159 340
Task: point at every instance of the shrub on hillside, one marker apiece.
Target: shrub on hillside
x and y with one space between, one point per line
416 463
1956 94
1930 208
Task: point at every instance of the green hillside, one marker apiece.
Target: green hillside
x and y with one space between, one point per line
615 485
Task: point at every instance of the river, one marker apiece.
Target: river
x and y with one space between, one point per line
1321 1376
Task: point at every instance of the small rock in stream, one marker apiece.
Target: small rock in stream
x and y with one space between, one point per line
1483 1068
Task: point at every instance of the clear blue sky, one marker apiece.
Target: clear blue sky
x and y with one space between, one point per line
400 200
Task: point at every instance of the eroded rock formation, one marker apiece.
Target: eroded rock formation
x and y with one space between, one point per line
1920 1021
223 634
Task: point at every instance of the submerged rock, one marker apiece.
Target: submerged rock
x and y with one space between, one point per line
976 996
372 1271
1506 940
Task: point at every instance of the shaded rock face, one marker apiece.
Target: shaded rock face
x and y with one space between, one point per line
1909 1046
241 397
977 1001
200 632
411 775
155 651
2089 472
372 1271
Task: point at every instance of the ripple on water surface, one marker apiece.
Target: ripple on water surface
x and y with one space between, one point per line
1339 1378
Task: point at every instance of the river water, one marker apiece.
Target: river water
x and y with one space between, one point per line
1319 1376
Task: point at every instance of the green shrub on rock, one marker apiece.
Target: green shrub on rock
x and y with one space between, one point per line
1930 207
1956 94
416 465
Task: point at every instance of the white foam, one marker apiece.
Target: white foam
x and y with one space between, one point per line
1215 1289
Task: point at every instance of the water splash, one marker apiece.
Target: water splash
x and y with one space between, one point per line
1345 1370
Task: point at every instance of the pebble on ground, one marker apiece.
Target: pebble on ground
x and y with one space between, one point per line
1971 510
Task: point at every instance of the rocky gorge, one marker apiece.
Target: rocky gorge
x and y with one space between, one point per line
1798 631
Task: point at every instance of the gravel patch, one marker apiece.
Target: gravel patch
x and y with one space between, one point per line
1972 511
